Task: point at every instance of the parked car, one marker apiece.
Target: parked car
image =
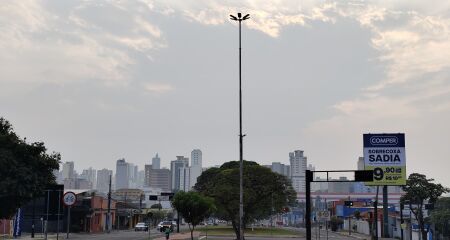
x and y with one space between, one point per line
165 224
141 227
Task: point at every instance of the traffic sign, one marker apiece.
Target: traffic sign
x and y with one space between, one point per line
69 198
323 215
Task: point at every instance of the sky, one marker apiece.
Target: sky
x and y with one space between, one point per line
103 80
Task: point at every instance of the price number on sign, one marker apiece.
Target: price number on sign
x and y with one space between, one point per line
378 174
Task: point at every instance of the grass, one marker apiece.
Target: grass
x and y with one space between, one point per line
257 231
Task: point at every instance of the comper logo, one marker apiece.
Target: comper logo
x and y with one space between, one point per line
381 140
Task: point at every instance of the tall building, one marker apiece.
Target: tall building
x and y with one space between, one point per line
361 163
122 174
196 157
103 180
298 168
157 178
156 162
175 167
90 175
68 170
196 167
133 171
281 169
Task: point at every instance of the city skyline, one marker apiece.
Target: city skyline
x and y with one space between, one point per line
101 81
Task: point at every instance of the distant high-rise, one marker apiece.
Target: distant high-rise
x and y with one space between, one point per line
175 167
196 157
281 169
157 178
361 163
68 170
122 174
156 162
298 168
196 167
103 180
90 175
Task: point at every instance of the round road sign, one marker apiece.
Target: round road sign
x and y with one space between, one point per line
69 198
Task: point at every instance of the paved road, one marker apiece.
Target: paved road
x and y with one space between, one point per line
132 235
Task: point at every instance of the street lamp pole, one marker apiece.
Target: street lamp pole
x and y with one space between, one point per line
239 19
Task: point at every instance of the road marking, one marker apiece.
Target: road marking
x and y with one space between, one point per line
201 237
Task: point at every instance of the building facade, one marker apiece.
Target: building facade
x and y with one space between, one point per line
175 167
298 167
157 178
156 162
103 180
122 174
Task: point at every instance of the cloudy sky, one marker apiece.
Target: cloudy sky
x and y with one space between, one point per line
101 80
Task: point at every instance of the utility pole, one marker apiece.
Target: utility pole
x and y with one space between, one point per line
385 212
108 216
239 19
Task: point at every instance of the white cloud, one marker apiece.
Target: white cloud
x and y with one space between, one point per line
158 87
42 44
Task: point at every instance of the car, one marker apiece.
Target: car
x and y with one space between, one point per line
165 224
141 226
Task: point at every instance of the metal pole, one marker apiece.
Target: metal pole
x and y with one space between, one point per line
108 216
46 220
410 223
58 215
32 218
308 179
241 165
385 212
375 215
68 221
349 220
401 219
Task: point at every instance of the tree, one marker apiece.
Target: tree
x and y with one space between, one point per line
26 170
193 207
418 189
440 215
265 192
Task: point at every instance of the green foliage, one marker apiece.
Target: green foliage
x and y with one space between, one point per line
193 207
418 189
158 215
26 169
263 189
440 216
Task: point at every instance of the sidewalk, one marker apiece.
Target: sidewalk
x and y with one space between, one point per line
361 236
180 236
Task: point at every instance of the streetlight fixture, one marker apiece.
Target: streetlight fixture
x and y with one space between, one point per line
239 19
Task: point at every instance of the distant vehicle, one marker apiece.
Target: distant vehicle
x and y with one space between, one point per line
165 224
141 227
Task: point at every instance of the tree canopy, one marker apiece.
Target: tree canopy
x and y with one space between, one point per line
26 170
193 207
418 189
265 192
440 215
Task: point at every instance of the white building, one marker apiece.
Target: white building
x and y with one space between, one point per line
122 174
196 167
103 180
175 168
298 168
68 170
156 162
90 175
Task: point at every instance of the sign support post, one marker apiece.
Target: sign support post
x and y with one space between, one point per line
69 199
68 221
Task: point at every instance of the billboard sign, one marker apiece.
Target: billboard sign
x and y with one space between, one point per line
385 154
